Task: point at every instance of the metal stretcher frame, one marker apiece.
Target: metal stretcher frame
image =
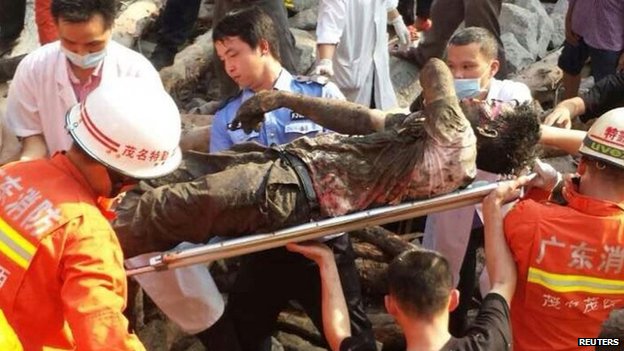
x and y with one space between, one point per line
473 194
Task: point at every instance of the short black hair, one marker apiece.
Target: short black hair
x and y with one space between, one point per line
477 35
251 25
77 11
516 144
421 282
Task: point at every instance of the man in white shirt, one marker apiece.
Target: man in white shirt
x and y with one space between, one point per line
352 45
472 59
58 75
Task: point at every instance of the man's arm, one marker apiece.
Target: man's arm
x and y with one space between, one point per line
498 258
607 94
564 112
33 147
94 291
340 116
336 324
568 140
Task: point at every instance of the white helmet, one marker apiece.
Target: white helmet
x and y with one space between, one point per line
129 126
605 138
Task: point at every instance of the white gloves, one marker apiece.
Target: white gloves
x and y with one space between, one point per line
402 32
324 67
547 177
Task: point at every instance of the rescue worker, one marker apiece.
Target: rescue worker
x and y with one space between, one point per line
56 76
352 48
62 280
568 244
421 292
252 188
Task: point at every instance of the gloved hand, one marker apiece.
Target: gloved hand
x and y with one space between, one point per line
402 32
251 113
324 67
547 177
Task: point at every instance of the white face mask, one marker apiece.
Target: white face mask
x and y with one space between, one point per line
85 61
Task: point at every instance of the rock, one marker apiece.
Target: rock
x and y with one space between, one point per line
189 65
134 19
404 77
543 78
291 342
523 24
517 56
558 18
302 5
305 20
306 50
545 26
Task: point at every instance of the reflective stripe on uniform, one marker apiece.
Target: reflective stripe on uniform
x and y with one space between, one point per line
568 282
15 246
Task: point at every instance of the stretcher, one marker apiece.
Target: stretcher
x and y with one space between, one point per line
470 195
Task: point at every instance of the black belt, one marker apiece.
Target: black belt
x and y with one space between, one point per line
301 170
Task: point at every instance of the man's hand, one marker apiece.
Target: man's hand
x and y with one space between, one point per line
620 67
571 37
505 192
401 31
313 250
324 67
251 113
547 177
559 117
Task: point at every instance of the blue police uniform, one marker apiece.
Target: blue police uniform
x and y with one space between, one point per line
280 126
267 280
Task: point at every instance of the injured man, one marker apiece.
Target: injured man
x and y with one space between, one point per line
377 159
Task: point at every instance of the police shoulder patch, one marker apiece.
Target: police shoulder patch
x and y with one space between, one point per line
318 79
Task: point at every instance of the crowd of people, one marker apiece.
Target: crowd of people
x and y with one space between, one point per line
285 149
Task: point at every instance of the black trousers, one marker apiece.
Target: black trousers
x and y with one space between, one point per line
11 19
266 282
178 20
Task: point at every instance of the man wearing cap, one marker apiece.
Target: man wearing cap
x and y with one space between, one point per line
568 244
62 281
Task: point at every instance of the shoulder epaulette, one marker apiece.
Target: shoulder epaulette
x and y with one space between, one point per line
314 79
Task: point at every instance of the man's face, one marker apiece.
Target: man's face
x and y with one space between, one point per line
467 62
83 38
242 63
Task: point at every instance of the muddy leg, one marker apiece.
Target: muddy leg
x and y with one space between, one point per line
436 80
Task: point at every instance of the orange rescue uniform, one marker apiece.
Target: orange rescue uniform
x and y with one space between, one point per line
570 261
62 282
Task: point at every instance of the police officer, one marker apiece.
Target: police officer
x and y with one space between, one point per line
247 43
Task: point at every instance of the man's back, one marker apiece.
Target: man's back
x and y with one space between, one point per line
570 269
61 283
